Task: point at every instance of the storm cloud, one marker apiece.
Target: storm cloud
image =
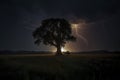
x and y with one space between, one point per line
18 18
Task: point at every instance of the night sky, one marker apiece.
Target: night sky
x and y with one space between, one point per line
100 19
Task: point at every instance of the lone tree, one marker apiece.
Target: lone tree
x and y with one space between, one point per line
54 32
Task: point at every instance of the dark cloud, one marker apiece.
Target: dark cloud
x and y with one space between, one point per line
18 17
88 9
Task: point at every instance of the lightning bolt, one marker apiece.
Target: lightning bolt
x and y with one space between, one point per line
76 28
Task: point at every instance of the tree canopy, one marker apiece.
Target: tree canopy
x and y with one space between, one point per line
54 32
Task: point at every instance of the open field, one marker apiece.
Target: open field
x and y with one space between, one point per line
67 67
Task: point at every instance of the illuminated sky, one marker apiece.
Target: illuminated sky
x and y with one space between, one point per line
98 23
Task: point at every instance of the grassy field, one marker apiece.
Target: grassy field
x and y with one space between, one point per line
67 67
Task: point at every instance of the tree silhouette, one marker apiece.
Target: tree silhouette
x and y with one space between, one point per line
54 32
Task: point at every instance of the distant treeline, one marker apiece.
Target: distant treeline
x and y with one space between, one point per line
98 52
48 52
25 52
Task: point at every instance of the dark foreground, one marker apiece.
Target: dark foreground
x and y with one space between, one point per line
67 67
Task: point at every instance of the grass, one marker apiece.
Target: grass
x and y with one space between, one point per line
67 67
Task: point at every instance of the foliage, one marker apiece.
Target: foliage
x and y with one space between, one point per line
54 32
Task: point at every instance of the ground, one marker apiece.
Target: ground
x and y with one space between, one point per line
64 67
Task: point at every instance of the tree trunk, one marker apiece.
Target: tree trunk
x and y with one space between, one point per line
58 50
